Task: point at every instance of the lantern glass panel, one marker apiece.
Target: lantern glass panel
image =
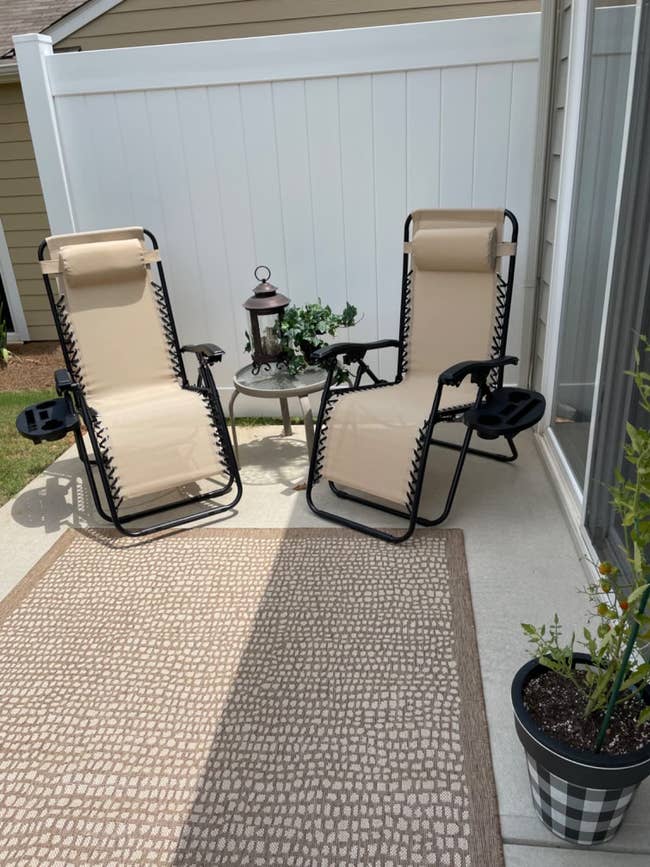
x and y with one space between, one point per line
269 334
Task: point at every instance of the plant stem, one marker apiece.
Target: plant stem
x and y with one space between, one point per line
634 631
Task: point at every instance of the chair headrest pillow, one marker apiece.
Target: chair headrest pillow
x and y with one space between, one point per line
102 263
468 249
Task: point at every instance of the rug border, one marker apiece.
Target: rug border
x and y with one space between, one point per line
486 849
26 584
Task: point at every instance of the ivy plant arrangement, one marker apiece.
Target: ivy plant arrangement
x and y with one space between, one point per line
303 329
585 716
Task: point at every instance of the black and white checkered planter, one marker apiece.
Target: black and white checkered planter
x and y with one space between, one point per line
580 796
577 813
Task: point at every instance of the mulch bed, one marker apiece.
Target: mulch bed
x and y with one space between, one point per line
31 365
558 709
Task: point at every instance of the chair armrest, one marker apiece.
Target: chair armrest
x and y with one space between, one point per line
209 352
63 382
479 370
355 351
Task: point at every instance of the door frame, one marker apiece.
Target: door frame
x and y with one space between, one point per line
574 496
571 141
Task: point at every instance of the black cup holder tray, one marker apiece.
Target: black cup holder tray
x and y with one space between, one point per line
506 412
47 421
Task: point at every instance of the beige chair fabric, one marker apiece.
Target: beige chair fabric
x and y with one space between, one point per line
371 436
156 435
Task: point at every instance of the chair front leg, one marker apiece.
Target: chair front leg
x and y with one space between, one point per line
313 460
463 450
97 462
210 389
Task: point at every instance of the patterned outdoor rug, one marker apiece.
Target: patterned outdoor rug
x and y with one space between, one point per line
310 697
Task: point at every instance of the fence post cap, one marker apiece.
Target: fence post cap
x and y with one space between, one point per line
23 38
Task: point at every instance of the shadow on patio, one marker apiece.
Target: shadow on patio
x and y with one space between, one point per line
339 741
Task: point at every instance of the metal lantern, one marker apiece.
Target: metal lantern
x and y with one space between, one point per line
266 308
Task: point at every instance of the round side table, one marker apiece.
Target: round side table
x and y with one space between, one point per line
278 384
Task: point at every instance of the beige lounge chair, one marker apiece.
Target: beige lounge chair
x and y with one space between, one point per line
372 440
150 431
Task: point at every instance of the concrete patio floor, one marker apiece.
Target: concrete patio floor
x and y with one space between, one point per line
522 565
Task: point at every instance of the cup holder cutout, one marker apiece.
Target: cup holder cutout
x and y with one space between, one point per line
489 419
520 414
518 396
52 424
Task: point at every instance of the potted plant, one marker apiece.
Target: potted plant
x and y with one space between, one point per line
302 331
584 718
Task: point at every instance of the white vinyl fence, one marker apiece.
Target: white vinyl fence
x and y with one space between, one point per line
301 152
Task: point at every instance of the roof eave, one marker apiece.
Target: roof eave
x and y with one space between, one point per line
62 28
78 18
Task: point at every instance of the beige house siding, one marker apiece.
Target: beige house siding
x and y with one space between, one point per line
146 22
552 184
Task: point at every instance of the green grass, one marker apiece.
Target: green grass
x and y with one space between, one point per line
21 460
259 421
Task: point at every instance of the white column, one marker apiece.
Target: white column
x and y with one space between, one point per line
32 53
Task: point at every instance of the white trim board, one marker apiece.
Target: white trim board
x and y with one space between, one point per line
456 42
20 331
563 226
562 467
78 18
537 210
566 490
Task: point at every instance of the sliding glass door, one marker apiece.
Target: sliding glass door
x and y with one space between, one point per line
628 314
603 114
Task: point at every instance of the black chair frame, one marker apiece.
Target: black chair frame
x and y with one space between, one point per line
487 374
69 387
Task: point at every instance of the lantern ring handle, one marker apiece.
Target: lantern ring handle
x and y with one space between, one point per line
262 279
